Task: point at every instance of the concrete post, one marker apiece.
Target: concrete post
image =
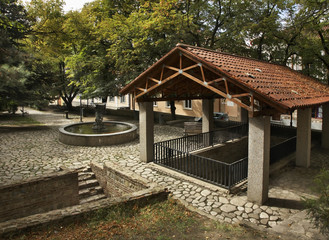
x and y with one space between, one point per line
207 120
207 115
146 131
325 125
258 159
303 147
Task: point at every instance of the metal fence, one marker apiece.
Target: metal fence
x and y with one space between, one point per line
210 170
202 140
175 154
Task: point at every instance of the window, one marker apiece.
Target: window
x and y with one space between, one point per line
111 98
168 104
123 99
188 104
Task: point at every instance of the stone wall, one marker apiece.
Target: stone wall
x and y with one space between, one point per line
117 181
54 191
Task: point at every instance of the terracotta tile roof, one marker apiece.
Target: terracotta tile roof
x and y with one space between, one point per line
278 83
275 85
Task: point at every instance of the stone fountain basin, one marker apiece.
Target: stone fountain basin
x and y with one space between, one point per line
99 139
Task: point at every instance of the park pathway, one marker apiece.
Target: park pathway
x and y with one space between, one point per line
37 151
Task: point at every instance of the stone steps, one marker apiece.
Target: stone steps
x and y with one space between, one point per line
89 189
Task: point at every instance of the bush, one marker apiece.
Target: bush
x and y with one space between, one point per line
318 209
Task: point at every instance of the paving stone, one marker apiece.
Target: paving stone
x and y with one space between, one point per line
264 221
238 201
202 204
241 209
228 208
45 154
269 211
213 213
253 215
207 208
263 215
248 210
249 204
223 200
272 223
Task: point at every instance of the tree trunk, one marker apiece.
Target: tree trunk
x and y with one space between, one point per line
173 110
68 102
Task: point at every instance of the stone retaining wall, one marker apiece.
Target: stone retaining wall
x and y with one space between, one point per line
117 181
54 191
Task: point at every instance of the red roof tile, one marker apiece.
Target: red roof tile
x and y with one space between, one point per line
278 83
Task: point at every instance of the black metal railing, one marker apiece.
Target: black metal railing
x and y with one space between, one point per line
176 154
282 149
216 172
202 140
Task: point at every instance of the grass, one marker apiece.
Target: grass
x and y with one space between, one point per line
17 120
151 218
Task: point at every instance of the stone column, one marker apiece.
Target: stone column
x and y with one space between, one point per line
325 126
146 131
207 115
258 159
207 120
303 147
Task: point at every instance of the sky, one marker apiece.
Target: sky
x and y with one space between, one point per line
74 4
71 4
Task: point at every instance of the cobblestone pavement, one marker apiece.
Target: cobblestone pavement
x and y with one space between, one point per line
35 151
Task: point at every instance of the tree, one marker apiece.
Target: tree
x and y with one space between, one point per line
49 41
314 43
13 73
318 209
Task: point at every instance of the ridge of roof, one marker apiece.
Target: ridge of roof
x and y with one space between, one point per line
247 58
237 56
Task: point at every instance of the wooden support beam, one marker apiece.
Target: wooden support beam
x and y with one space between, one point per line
241 95
172 68
153 87
217 91
153 79
202 73
216 80
140 89
190 67
226 86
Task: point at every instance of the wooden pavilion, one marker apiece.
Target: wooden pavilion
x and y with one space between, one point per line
261 89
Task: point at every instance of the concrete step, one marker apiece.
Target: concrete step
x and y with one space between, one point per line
88 183
85 176
90 192
92 198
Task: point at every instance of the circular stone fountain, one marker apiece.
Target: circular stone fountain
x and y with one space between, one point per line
98 133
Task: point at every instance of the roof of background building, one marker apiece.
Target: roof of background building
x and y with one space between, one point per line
273 83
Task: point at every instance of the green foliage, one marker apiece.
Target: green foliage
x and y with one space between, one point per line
108 43
318 209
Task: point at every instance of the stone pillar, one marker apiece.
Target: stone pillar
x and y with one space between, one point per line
325 126
146 131
303 147
258 159
207 115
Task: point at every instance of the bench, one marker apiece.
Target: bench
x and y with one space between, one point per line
192 128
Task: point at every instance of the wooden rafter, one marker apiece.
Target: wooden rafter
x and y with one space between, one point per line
217 91
201 81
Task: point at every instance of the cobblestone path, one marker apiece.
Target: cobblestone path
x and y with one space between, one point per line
33 152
